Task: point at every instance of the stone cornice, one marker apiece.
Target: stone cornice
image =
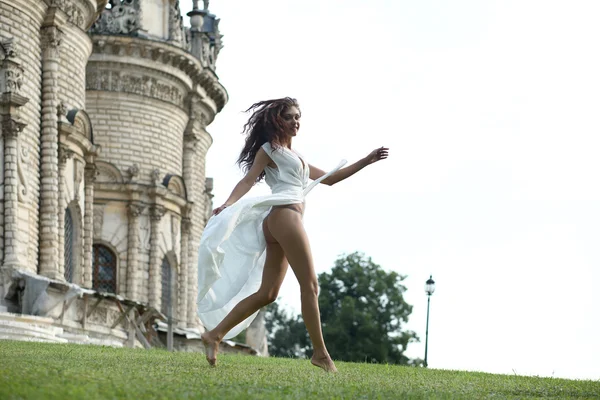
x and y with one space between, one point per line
162 57
108 191
81 13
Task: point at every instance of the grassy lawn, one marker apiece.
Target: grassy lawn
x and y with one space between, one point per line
56 371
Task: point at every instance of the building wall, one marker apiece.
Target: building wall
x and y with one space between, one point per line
132 129
23 26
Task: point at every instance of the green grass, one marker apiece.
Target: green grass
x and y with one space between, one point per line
53 371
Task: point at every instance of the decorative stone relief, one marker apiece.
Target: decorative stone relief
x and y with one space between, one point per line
155 176
64 153
133 171
107 173
11 71
51 37
12 128
115 81
123 17
22 167
74 14
175 23
98 220
157 212
174 230
135 209
78 178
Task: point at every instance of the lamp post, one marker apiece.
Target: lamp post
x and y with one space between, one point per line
429 289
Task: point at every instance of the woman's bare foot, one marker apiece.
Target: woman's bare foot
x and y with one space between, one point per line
211 348
324 362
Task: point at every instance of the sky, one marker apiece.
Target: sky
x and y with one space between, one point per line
490 111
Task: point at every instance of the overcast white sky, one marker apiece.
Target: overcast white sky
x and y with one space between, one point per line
490 109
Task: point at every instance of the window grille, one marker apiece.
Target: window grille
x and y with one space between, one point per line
104 277
69 246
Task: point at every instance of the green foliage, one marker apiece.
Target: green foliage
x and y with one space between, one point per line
287 336
58 371
363 309
362 312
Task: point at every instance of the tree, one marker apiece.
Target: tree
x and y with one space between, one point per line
287 335
362 312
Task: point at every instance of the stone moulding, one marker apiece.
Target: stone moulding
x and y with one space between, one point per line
152 55
116 81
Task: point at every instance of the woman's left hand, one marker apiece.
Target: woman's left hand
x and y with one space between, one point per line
377 154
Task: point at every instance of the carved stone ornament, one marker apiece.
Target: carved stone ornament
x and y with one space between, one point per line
51 37
186 225
135 209
115 81
90 173
74 14
11 71
98 220
157 212
176 33
12 128
123 17
64 153
133 171
155 176
22 166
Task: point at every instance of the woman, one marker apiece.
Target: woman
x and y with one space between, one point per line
247 245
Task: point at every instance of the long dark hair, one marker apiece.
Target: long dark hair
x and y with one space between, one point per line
264 125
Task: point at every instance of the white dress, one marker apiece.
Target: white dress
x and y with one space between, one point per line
231 255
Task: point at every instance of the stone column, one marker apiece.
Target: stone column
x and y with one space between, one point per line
88 224
64 153
10 131
49 207
191 139
154 280
186 227
11 99
133 250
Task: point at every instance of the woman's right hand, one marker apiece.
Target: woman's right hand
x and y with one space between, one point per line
217 210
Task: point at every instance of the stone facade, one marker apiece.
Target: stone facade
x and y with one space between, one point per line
104 106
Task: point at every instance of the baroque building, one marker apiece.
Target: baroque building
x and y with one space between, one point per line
104 106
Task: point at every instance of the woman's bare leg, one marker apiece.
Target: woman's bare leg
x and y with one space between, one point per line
287 228
272 278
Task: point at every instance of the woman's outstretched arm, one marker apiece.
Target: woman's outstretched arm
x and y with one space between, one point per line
245 184
374 156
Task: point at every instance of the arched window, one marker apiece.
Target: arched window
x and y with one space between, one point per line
69 246
167 286
104 277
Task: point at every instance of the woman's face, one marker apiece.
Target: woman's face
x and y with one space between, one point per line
291 119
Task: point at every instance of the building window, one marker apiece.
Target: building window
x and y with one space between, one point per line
104 277
69 246
167 287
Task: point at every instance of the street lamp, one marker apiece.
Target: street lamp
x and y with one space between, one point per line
429 289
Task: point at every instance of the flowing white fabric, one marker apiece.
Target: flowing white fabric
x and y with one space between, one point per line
231 255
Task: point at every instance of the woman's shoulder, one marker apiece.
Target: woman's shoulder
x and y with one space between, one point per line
267 147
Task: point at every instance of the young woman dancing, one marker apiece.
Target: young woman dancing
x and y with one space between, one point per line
247 244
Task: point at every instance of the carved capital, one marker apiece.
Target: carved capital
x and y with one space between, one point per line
11 128
90 173
64 153
135 209
186 225
157 212
51 37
